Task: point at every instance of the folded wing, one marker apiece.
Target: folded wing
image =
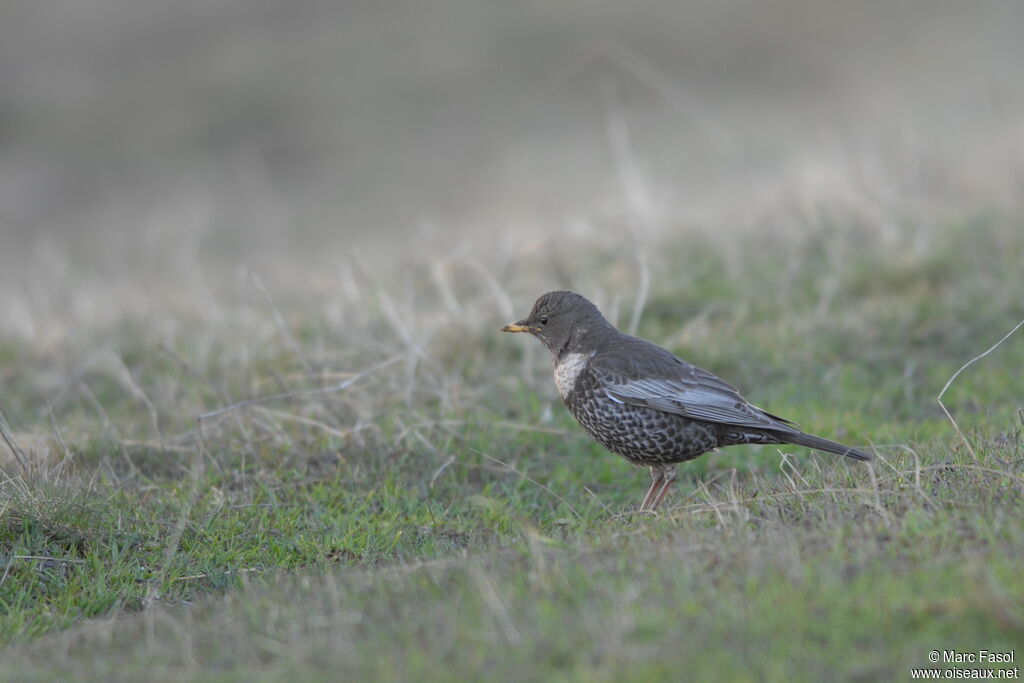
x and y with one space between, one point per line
671 385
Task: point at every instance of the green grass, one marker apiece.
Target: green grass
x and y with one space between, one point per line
444 517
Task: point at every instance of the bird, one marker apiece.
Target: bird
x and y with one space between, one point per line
643 402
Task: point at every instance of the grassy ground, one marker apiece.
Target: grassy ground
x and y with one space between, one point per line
419 506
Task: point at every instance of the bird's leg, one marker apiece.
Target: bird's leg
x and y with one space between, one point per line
657 475
668 477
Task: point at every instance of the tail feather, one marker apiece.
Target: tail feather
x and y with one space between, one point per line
820 444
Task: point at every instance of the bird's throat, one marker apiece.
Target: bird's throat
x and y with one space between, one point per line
568 370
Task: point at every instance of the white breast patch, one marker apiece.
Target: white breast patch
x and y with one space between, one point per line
568 370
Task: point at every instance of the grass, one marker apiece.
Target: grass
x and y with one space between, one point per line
443 515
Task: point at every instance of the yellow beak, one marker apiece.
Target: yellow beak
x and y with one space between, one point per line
520 326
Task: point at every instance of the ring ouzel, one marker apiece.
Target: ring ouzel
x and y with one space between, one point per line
644 402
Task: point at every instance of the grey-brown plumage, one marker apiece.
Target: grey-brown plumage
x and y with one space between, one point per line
645 403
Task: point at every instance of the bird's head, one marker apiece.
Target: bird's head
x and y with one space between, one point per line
562 320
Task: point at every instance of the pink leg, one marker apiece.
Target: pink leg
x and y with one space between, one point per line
668 478
657 476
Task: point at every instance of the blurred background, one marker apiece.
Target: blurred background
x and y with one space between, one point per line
169 166
248 127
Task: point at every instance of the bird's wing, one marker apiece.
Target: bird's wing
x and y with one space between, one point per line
660 380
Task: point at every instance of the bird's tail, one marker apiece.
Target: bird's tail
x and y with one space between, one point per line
820 444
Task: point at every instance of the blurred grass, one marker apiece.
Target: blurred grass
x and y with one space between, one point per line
444 513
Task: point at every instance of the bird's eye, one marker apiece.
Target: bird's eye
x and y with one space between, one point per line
543 321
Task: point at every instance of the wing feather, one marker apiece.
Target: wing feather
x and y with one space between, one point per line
669 384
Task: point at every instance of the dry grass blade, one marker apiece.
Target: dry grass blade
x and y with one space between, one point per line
956 374
496 605
340 386
45 558
12 444
440 470
531 480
